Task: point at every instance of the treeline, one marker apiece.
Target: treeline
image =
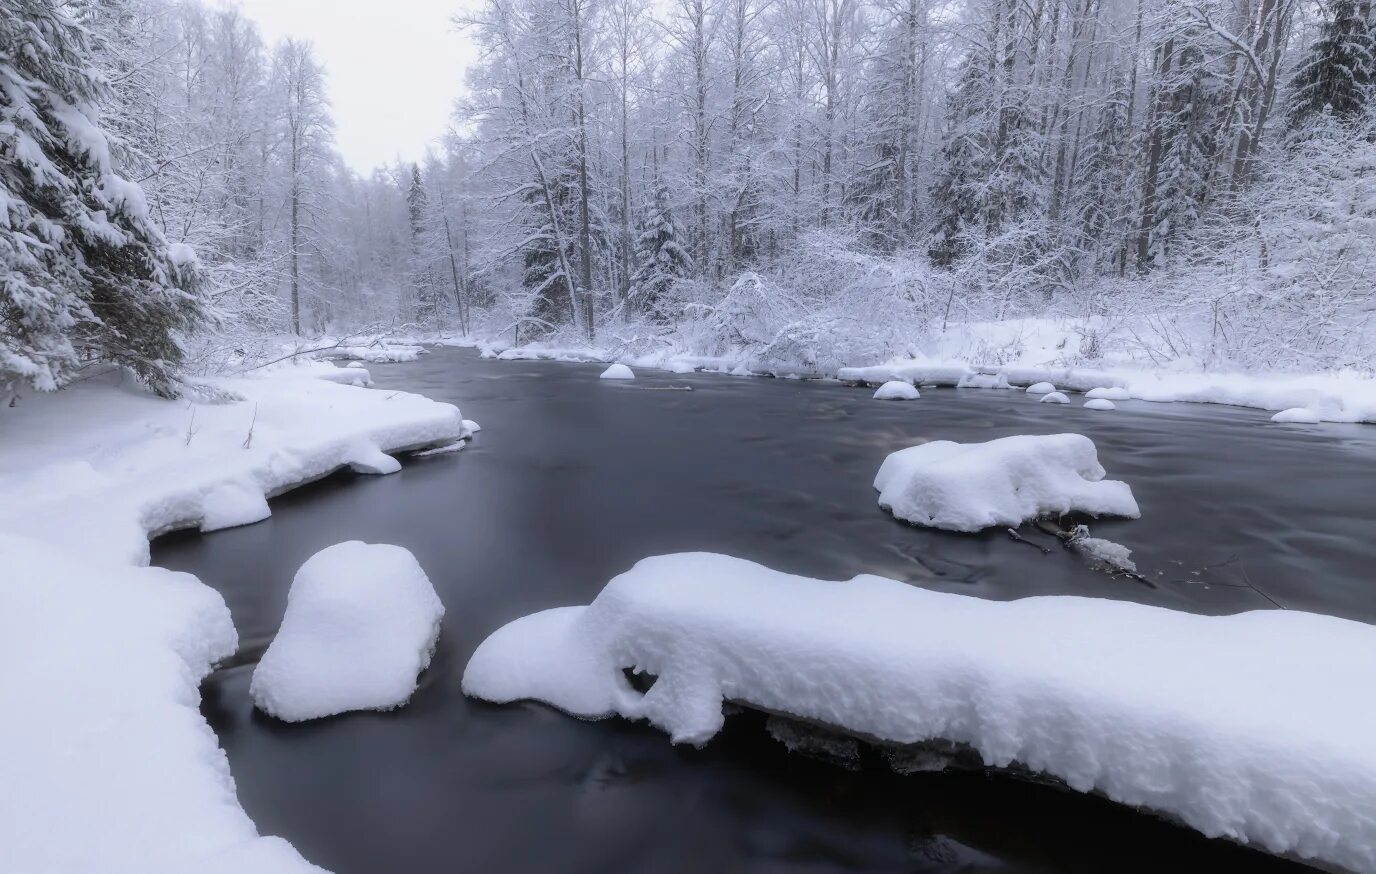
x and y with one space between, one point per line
817 181
638 159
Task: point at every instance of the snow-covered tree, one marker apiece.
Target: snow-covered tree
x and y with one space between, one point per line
1338 72
86 273
663 259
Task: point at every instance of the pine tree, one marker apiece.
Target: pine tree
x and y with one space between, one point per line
429 299
663 260
960 193
1188 134
1103 174
84 273
1338 73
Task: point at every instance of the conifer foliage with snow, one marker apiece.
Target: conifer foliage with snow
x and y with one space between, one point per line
86 274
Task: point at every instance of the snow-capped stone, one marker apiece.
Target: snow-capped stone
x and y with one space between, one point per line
470 427
1100 404
618 371
1054 397
1108 696
1041 388
1298 416
1109 393
1005 482
361 624
896 390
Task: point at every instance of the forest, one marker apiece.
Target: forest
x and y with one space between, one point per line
808 182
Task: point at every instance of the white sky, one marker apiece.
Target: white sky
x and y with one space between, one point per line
394 68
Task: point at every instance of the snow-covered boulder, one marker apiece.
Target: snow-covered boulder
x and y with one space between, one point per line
896 390
678 366
1005 482
361 624
1297 415
470 428
1054 397
1041 388
618 371
1100 404
1150 707
1109 393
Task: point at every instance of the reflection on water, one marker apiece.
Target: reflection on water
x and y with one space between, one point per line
574 479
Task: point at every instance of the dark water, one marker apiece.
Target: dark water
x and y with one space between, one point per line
574 479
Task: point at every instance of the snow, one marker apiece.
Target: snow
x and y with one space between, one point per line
361 624
127 776
1109 393
1297 415
917 373
115 769
1005 482
677 366
896 390
618 371
1054 397
102 465
1150 707
471 427
1041 388
1100 404
985 380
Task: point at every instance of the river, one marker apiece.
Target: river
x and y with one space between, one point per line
574 479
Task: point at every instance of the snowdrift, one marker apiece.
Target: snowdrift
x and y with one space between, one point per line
1252 727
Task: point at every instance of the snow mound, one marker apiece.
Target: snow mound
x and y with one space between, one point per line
1297 415
679 367
115 770
906 371
361 624
896 390
973 486
1073 378
618 371
470 427
1100 404
1054 397
1041 388
380 353
1272 749
1109 393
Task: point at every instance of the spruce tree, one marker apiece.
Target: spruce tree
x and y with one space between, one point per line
1338 73
663 260
960 192
84 273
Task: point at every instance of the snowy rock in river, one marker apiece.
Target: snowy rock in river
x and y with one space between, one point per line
1108 393
361 623
972 486
1041 388
896 390
1297 415
1100 404
618 371
1148 706
1054 397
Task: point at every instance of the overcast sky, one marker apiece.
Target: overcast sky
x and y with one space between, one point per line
394 68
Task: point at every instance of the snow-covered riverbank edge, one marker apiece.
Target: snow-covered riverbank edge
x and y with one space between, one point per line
125 774
1013 354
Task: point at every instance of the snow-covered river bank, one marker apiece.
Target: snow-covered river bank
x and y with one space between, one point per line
582 478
